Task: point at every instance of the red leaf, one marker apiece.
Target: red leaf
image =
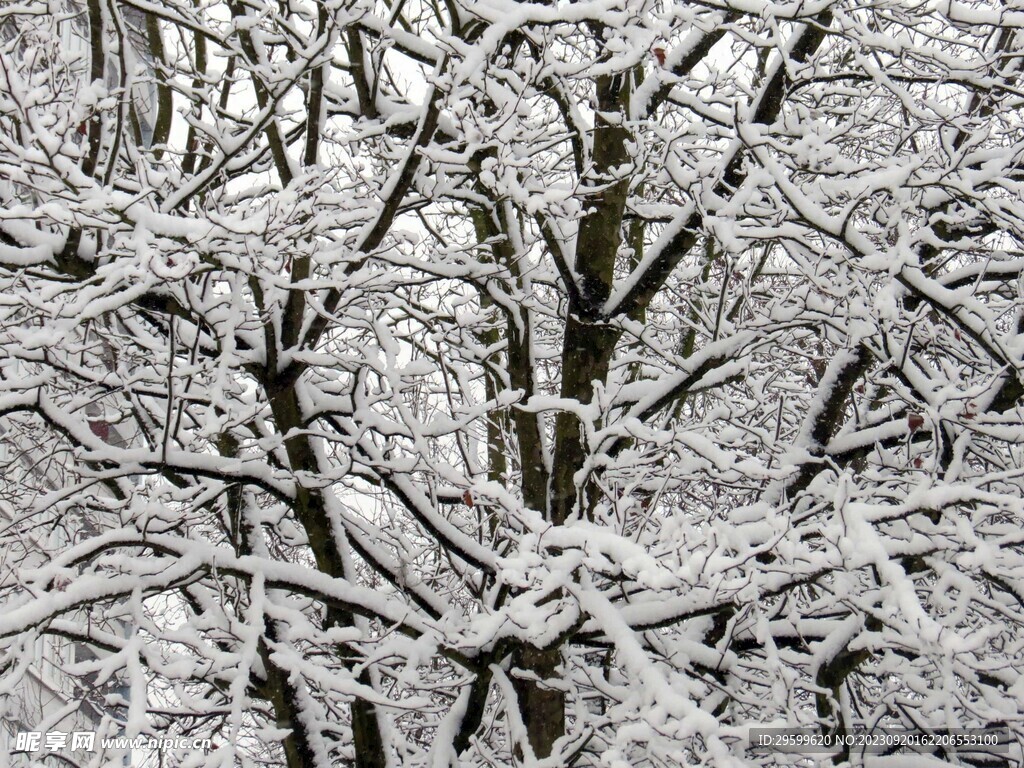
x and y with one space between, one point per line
659 54
915 421
467 497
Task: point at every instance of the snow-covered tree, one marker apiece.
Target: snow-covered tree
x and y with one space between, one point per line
500 383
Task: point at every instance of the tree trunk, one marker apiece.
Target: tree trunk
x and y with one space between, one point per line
542 708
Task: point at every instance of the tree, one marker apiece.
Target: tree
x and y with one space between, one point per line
515 383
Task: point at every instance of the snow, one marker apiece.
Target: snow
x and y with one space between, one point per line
296 428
